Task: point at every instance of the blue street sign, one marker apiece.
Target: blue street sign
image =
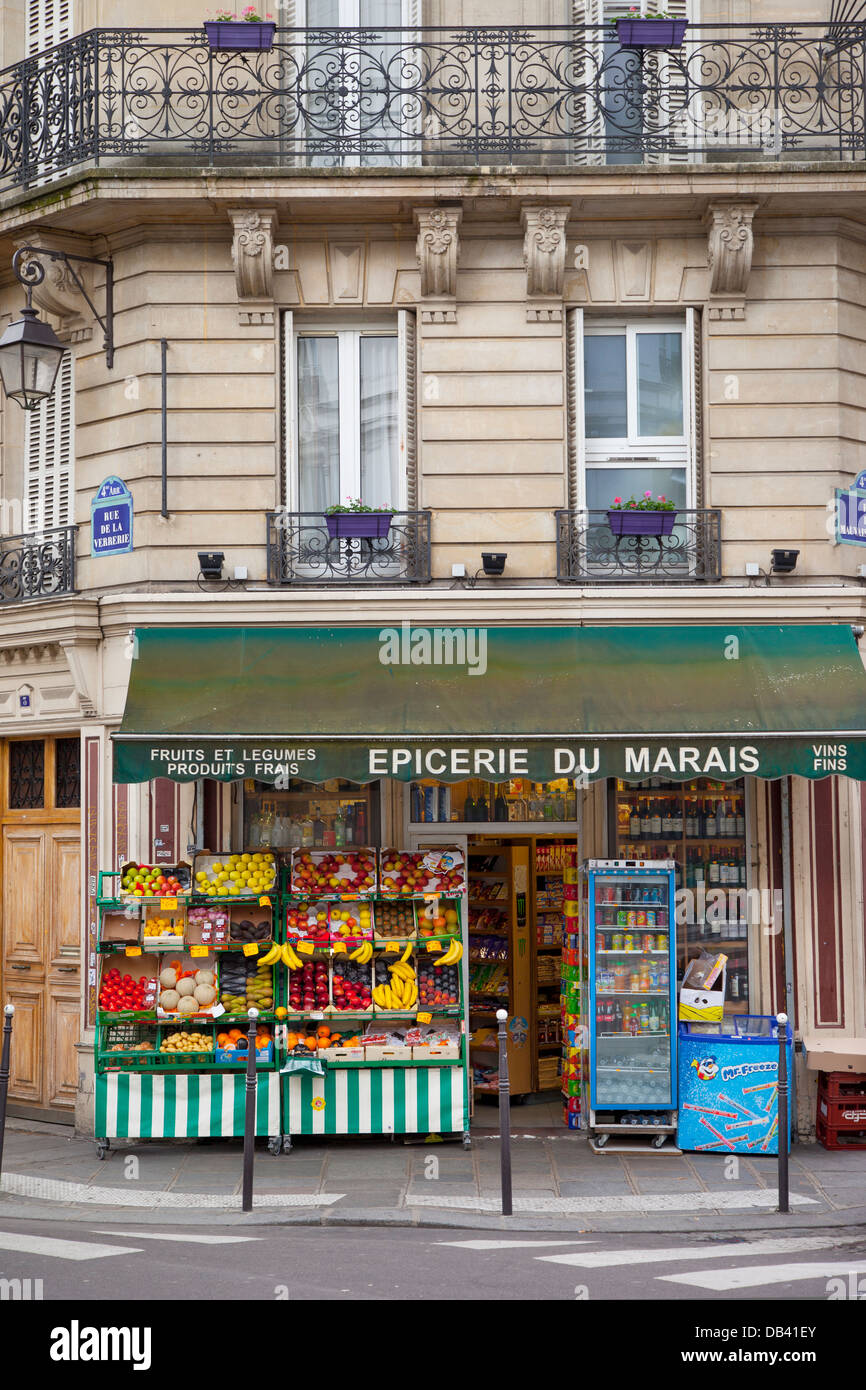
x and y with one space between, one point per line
111 519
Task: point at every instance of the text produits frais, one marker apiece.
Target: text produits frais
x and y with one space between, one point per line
232 762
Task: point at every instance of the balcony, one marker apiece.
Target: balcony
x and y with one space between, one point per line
301 551
588 553
37 566
435 98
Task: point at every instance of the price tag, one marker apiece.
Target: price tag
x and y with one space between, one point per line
348 897
423 1018
433 947
392 949
339 948
133 950
431 897
264 902
168 904
198 950
306 948
251 949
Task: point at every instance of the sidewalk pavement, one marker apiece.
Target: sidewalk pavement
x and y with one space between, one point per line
558 1183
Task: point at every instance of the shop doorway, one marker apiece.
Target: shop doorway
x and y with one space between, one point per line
41 897
513 907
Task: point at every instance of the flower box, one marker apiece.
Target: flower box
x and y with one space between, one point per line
358 525
650 33
631 522
240 35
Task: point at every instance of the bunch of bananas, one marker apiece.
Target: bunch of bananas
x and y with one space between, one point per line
401 992
363 953
274 954
290 957
452 955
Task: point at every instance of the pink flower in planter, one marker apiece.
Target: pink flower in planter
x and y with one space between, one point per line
617 501
647 494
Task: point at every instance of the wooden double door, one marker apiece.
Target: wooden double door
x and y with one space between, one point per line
41 903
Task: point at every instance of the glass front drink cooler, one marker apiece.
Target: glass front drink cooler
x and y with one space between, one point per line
629 949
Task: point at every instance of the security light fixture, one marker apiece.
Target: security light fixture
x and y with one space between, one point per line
30 351
210 563
493 562
783 561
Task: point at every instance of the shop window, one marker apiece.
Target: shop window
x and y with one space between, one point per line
349 413
701 825
517 800
67 773
26 774
307 815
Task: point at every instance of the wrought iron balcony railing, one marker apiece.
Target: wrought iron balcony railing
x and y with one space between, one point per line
302 551
39 565
587 552
492 96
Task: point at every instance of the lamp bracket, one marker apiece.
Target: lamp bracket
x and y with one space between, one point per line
30 272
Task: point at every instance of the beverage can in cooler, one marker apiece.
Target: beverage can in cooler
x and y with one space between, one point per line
631 919
622 917
616 941
648 942
628 942
661 942
651 918
640 919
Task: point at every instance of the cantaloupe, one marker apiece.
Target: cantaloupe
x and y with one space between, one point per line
169 999
205 994
204 977
187 1004
168 979
185 986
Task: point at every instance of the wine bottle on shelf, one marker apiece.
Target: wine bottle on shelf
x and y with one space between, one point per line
740 820
500 807
656 821
634 826
677 819
710 823
360 827
667 819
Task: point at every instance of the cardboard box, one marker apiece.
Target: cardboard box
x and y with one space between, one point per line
395 1054
344 1054
450 1053
238 1057
120 929
188 962
702 992
143 966
173 917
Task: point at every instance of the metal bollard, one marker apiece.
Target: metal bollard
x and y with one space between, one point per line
8 1015
504 1115
783 1127
250 1113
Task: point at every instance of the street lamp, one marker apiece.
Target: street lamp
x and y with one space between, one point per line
30 351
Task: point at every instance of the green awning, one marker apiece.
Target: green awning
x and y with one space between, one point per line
454 702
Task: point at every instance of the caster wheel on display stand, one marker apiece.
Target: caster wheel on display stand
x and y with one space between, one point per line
659 1141
287 1143
601 1140
467 1139
102 1147
275 1145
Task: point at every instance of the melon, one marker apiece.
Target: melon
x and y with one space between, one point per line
185 986
168 979
204 977
205 994
187 1004
169 998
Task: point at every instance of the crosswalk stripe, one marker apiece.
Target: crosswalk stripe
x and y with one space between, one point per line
61 1249
599 1259
512 1245
187 1239
724 1280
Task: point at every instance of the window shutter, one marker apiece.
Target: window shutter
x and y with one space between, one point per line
574 406
47 24
48 442
693 405
589 134
288 480
407 339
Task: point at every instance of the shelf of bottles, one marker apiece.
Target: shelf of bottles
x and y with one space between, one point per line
631 1006
332 815
701 825
473 801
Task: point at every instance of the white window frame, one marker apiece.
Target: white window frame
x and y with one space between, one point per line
348 335
663 451
49 456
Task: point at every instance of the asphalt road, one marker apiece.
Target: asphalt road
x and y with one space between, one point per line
102 1261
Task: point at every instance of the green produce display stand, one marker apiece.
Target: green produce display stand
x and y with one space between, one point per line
186 1105
378 1099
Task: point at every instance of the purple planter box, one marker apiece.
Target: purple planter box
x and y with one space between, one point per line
651 33
240 36
634 523
358 525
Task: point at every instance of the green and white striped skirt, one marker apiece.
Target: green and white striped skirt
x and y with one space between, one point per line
381 1100
155 1105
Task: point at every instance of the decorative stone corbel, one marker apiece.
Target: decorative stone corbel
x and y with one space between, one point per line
253 260
58 293
82 661
544 242
729 257
438 251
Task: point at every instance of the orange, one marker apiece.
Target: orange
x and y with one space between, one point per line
310 1043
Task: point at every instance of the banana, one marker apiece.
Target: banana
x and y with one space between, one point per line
458 951
402 972
357 954
448 958
379 996
274 954
413 997
407 953
291 958
368 953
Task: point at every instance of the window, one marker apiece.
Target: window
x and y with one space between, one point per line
631 398
49 454
350 413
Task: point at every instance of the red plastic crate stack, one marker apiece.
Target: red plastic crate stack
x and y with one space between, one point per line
841 1116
